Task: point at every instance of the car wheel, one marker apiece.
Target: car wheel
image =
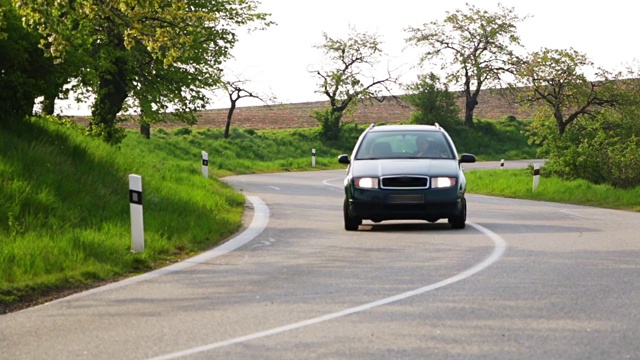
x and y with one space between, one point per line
459 221
351 223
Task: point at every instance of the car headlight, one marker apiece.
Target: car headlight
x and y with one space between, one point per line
366 182
442 182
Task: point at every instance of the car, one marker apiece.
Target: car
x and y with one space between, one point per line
404 172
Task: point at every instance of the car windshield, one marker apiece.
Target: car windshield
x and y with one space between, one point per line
404 145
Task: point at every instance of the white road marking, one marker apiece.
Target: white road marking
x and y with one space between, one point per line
499 249
275 187
268 242
328 182
573 215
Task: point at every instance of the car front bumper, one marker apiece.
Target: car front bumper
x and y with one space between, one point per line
430 204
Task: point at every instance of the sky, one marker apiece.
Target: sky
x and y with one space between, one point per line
276 62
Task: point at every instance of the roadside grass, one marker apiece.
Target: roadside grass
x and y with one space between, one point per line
64 211
494 139
518 183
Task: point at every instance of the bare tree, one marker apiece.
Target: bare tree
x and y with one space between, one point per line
236 90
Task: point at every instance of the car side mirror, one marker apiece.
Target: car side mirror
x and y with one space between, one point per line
467 158
344 159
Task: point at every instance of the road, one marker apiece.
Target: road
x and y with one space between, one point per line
525 280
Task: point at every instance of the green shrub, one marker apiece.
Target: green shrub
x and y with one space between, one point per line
183 131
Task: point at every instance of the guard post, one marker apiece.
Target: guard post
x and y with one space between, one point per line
205 164
135 206
536 176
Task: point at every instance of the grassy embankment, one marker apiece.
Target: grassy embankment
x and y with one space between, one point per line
64 212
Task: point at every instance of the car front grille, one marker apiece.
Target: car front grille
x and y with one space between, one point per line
404 182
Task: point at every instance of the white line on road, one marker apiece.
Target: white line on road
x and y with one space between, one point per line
573 215
499 249
328 182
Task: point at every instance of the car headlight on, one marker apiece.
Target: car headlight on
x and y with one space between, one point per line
366 182
442 182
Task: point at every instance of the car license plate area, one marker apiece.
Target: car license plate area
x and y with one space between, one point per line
404 199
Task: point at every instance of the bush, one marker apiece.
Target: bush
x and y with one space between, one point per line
329 122
601 150
183 131
433 101
109 133
493 139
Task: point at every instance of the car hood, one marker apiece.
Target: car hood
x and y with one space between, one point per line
387 167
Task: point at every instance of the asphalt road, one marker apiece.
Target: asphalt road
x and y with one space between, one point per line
524 280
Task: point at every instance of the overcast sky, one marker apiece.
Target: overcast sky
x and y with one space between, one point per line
276 60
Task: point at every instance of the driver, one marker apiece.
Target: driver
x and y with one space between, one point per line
422 146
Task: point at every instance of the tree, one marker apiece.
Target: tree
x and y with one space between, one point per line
433 101
25 72
587 129
555 82
157 54
475 49
237 90
347 77
169 95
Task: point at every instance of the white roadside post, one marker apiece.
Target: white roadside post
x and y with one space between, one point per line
536 176
501 164
135 206
205 164
313 157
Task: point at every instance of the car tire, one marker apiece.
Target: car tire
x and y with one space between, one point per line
459 221
351 223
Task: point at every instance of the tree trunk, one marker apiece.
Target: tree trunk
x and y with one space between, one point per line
232 108
110 99
562 127
112 92
470 105
48 104
145 130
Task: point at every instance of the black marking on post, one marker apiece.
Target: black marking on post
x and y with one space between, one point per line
205 162
135 197
536 172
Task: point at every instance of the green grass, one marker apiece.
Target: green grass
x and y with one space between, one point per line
494 139
64 212
519 184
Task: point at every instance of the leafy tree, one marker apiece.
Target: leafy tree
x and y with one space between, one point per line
25 72
158 54
433 101
555 82
475 49
347 77
587 128
5 5
167 95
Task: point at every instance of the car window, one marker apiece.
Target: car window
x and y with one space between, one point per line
404 144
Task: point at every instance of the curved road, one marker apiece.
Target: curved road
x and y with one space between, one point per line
525 280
